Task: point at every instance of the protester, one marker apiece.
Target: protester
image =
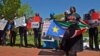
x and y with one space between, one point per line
23 32
8 30
37 31
71 45
3 32
12 34
13 31
93 31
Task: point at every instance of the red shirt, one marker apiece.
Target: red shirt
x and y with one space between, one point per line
95 15
29 25
36 19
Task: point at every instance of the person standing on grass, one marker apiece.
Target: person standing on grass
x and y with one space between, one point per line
3 32
37 31
13 32
23 32
9 26
93 31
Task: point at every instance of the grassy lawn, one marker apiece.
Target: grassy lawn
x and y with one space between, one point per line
30 39
86 35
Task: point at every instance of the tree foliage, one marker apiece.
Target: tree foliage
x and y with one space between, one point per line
9 7
1 6
25 9
59 16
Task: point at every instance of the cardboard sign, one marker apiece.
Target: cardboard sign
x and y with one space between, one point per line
3 24
17 22
44 31
20 22
35 25
46 26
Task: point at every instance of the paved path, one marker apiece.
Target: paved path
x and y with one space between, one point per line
16 51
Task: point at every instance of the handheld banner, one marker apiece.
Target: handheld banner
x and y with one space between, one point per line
3 24
20 22
35 25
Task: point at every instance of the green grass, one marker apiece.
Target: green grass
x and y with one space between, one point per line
87 35
30 38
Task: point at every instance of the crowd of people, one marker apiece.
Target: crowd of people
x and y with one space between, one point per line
11 31
70 44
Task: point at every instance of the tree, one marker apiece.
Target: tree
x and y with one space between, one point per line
1 6
25 9
59 16
9 7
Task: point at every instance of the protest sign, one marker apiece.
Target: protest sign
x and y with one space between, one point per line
35 25
3 24
20 22
44 31
45 26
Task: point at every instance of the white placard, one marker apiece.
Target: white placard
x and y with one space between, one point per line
20 22
50 39
35 25
92 21
46 26
44 31
3 24
17 22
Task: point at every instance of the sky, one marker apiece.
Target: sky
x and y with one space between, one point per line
45 7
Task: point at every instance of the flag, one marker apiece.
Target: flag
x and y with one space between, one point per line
78 32
68 23
86 21
65 24
55 29
81 31
82 27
